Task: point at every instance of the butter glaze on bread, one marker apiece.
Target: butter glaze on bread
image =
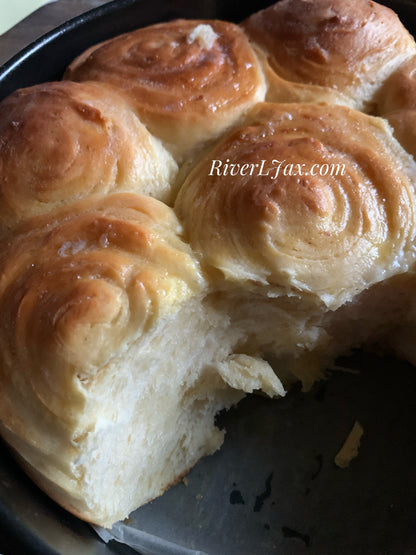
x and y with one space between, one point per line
104 380
187 80
398 92
397 103
139 298
345 45
330 236
60 142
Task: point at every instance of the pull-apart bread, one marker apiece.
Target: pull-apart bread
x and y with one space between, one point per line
192 200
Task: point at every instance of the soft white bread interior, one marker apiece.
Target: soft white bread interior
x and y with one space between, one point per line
116 384
169 242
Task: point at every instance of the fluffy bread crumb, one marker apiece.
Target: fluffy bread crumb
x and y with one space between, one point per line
349 450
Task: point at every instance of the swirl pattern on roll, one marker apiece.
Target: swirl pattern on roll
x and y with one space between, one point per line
327 235
109 269
187 79
403 123
350 46
399 91
60 142
397 103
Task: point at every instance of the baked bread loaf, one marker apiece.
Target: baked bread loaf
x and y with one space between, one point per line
165 234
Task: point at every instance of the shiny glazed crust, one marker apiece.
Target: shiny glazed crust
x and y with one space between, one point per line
157 237
397 103
344 45
329 235
186 86
60 142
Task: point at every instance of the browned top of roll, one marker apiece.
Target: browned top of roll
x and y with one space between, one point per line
306 198
399 91
404 126
63 141
76 286
187 79
397 103
343 44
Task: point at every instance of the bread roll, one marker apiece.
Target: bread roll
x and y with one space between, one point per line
60 142
403 123
399 91
350 46
104 373
187 79
397 103
256 212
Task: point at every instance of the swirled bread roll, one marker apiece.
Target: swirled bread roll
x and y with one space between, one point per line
397 103
282 90
60 142
267 220
105 372
349 46
403 123
187 79
399 91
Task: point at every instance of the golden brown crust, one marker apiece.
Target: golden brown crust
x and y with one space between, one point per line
281 90
185 86
63 141
71 501
347 45
399 91
331 235
107 269
403 123
397 103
